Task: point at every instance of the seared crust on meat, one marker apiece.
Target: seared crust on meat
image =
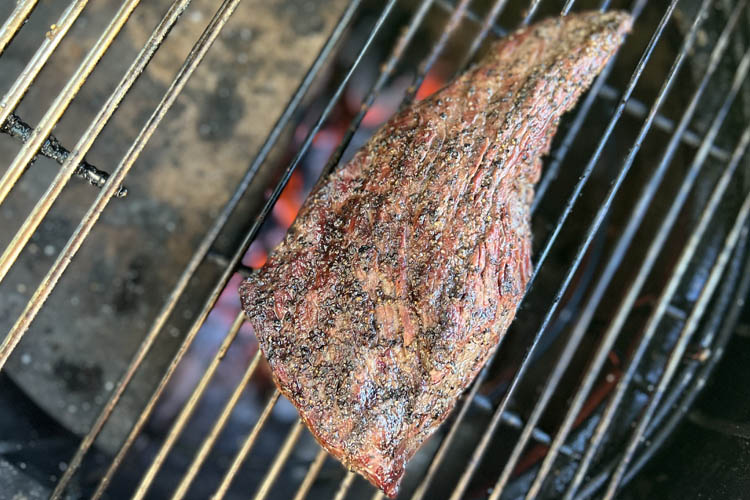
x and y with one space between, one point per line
404 269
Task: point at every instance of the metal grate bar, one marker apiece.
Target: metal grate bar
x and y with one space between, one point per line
191 62
568 5
456 16
54 150
624 241
84 144
442 450
437 48
574 340
40 135
505 475
207 241
599 88
218 426
486 25
44 289
679 349
722 338
634 107
279 461
221 283
247 445
532 10
424 68
458 13
453 22
39 59
187 411
61 103
639 110
514 421
508 418
385 73
312 474
634 288
346 483
558 155
445 444
14 22
681 387
526 360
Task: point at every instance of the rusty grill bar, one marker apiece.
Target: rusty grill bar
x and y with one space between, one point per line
732 252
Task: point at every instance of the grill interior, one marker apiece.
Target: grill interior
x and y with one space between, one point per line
122 318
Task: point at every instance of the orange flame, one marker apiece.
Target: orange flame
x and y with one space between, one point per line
431 84
289 202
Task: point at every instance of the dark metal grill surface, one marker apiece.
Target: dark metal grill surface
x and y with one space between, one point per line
670 352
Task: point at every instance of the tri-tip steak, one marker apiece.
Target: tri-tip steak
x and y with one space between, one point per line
405 267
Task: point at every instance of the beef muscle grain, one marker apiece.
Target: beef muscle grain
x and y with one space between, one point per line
405 267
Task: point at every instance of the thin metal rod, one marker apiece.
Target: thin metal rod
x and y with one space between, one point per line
244 450
533 8
218 426
634 220
73 160
187 411
568 5
509 418
634 289
722 338
385 73
14 22
61 102
211 235
571 346
558 156
486 26
49 43
445 444
637 109
44 289
560 153
424 68
312 474
657 432
600 88
54 150
678 351
250 235
279 461
515 455
90 218
437 48
346 483
593 228
552 167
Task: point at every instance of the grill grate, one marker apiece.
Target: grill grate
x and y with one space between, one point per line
594 469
